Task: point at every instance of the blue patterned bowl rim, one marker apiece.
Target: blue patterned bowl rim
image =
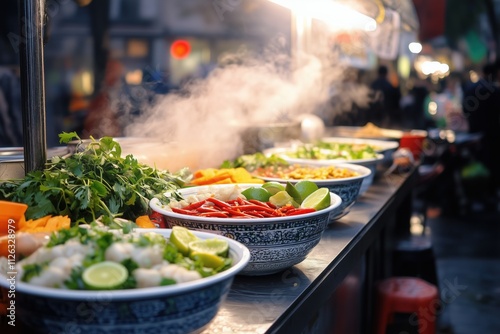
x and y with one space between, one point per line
239 252
155 205
363 172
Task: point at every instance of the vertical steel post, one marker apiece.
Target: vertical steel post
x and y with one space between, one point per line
32 18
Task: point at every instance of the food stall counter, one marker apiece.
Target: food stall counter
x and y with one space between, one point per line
300 298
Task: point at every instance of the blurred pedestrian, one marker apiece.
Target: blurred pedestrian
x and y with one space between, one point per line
414 104
385 110
481 106
449 113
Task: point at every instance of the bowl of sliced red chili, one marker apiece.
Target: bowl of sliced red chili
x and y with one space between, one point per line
278 237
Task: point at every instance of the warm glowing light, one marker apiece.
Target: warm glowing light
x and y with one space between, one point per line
434 67
335 15
474 76
443 68
415 47
433 107
87 83
180 49
134 77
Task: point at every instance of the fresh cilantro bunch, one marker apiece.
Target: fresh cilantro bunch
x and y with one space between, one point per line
93 182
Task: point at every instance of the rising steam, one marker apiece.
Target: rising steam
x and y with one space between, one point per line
209 115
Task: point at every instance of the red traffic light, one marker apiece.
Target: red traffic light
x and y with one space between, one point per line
180 49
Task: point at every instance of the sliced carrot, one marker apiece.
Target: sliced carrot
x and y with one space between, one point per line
211 180
224 176
46 224
144 222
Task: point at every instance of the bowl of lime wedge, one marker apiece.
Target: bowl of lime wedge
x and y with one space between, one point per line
279 223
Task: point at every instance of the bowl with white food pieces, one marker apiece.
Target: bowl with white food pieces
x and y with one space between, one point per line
95 279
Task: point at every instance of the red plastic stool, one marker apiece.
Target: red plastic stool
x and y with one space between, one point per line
407 295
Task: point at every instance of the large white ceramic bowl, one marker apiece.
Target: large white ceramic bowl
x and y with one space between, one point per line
181 308
275 243
347 188
371 163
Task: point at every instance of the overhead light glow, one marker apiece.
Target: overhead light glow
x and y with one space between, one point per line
415 47
335 15
180 49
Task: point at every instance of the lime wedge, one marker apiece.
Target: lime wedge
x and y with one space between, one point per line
257 193
181 237
292 191
105 275
319 200
282 198
209 260
212 246
305 188
273 187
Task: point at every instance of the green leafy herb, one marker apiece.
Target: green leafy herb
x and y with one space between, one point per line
93 182
253 161
131 265
60 237
75 281
167 281
332 150
32 270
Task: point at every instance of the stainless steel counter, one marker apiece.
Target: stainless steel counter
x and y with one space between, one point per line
286 302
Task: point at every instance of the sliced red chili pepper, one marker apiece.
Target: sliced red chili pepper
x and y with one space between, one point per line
184 212
286 208
218 214
271 205
256 202
195 205
301 211
208 209
237 213
217 202
255 207
259 214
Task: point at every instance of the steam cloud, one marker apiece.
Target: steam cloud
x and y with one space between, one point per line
208 118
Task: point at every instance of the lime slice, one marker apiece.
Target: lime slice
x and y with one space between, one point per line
105 275
212 246
256 193
181 237
319 200
292 191
209 260
305 188
282 198
273 187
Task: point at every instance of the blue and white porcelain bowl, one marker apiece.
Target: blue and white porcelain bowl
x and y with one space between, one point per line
370 163
347 188
275 243
181 308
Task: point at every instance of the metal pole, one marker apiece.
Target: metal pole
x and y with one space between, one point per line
31 17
